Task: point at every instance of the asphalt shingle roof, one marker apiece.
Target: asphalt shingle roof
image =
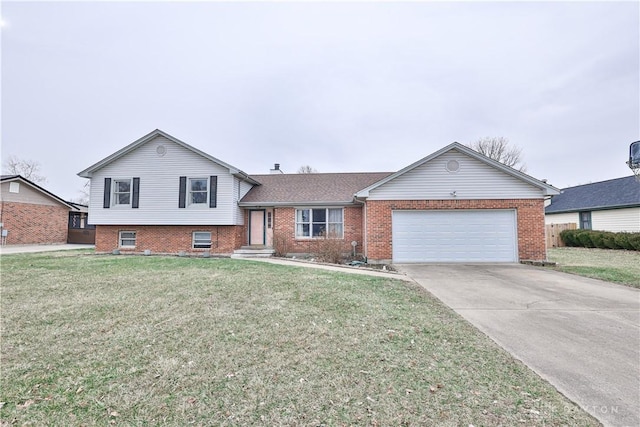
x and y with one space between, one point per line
613 193
309 187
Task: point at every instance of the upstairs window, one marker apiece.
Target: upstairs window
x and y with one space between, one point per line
121 192
198 191
324 222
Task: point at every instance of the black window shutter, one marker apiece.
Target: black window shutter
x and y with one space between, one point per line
135 197
213 192
107 193
182 197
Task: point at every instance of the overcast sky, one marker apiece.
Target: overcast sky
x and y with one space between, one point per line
339 86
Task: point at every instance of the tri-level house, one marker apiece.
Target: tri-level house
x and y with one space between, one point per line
162 195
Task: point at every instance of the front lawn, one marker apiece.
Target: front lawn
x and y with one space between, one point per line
617 266
132 340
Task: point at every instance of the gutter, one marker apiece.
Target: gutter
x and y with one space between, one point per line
294 204
592 208
364 227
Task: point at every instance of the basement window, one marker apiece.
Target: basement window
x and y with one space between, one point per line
201 240
127 239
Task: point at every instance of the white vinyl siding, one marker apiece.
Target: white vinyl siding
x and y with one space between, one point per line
616 220
240 188
562 218
454 236
473 180
627 219
159 188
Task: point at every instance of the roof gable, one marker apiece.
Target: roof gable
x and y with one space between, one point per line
88 172
613 193
546 188
37 188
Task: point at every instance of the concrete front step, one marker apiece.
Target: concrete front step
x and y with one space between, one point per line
246 252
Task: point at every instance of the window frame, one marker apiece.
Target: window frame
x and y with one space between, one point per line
190 192
115 201
195 245
121 239
585 219
325 225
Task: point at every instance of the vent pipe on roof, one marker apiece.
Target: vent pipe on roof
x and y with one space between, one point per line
276 169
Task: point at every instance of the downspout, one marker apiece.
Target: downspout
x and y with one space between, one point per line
364 227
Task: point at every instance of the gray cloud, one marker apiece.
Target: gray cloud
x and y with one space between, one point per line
339 86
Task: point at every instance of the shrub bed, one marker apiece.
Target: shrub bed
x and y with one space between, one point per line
601 239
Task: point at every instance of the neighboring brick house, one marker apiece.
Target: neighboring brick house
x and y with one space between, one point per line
455 205
30 214
611 205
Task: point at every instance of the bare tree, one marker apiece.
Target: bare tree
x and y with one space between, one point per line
28 169
307 169
497 148
83 198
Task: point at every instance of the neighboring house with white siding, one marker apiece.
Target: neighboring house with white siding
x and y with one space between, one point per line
456 205
612 205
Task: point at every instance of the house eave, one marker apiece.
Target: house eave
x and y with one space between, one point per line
295 204
593 208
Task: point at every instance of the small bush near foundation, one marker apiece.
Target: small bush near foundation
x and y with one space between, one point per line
281 246
601 239
330 249
584 238
609 240
634 241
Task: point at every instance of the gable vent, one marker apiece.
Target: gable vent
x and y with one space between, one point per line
453 166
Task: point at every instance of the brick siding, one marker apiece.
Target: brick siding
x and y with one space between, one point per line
530 218
225 239
170 239
284 232
30 224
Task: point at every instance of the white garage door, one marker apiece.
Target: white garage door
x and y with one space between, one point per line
454 236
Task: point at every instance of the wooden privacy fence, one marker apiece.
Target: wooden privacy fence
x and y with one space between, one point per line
553 233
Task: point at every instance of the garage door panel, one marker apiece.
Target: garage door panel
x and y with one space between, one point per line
454 236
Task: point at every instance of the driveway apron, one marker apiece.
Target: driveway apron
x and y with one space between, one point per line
582 335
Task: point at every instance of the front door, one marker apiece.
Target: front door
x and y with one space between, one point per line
256 227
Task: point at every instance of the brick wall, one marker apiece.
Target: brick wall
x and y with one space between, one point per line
30 224
169 238
284 232
530 218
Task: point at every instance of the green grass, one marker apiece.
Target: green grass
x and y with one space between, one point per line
616 266
94 340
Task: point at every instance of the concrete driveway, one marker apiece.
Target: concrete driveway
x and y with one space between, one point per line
581 335
27 249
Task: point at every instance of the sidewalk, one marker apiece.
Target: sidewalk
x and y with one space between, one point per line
24 249
334 267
